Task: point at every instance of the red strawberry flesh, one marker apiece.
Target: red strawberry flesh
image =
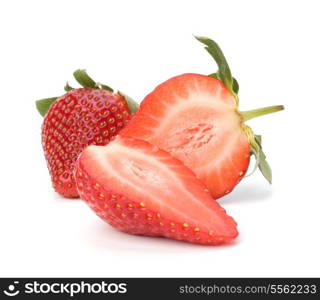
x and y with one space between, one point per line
140 189
195 118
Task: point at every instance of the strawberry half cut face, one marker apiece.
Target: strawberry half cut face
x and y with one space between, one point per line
140 189
195 118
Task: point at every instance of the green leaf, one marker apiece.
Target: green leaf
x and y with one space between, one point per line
84 79
258 139
214 75
67 87
264 167
235 84
43 105
87 82
214 50
104 87
261 161
133 105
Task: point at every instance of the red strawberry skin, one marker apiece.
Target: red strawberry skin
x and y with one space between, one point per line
79 118
195 118
140 189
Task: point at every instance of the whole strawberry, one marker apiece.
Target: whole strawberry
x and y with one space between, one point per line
93 114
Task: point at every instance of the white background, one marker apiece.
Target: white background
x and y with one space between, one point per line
273 49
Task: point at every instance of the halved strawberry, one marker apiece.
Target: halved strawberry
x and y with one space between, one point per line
196 118
140 189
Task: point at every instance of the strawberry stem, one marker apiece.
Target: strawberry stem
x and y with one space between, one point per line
250 114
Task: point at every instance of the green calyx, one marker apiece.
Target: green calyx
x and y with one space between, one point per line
224 74
133 105
85 81
44 104
68 88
